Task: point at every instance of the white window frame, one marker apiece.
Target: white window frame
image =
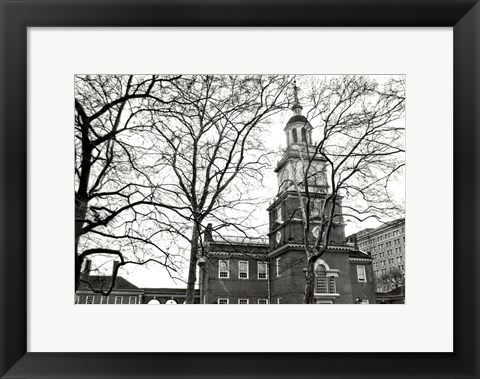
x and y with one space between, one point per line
242 271
104 300
277 264
331 288
278 214
225 299
243 301
118 297
263 301
90 297
262 264
227 270
134 300
279 300
321 280
359 268
77 300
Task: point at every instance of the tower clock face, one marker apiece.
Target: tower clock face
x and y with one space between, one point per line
278 237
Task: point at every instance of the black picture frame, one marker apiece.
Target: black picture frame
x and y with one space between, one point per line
18 15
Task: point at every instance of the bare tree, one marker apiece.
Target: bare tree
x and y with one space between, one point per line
360 150
390 280
114 211
211 152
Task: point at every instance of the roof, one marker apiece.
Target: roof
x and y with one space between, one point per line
97 282
238 248
297 118
370 231
359 254
169 291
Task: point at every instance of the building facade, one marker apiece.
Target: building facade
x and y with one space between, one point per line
272 270
386 245
93 289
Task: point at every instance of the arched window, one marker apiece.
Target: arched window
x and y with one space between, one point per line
304 135
294 135
324 284
321 279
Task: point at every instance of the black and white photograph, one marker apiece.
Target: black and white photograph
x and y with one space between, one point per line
239 189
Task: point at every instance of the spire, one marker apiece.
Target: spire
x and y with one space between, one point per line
296 108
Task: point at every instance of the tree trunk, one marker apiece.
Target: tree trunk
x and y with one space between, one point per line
310 282
81 201
192 271
80 215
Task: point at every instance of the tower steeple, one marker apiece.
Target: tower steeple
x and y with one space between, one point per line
296 107
298 130
299 149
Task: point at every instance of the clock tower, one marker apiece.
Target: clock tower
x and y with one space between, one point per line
300 157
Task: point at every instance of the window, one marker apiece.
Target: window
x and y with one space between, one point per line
294 135
361 275
279 300
304 135
321 280
262 270
331 285
242 301
77 299
222 301
262 301
89 300
242 269
118 299
132 300
279 213
104 300
223 269
324 284
278 266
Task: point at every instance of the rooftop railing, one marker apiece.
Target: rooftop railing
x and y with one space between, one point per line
241 239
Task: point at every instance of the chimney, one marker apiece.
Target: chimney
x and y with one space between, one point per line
355 242
115 265
208 233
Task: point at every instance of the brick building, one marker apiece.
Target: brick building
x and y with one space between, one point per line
124 292
272 270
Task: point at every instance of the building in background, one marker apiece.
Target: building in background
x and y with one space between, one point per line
124 292
386 245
